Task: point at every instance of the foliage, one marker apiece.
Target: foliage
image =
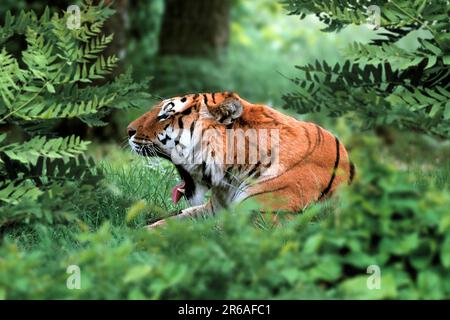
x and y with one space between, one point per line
55 77
380 82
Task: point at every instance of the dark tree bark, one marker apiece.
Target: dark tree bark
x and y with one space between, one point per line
118 25
195 27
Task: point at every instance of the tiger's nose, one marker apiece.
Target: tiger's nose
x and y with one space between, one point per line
131 131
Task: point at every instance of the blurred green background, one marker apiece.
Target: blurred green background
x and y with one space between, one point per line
396 215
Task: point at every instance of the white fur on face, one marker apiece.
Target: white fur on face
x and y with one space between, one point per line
172 106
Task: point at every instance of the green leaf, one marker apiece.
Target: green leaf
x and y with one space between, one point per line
137 273
58 148
12 193
50 88
357 288
445 252
446 59
430 285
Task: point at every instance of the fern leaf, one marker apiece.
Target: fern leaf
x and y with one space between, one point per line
58 148
12 192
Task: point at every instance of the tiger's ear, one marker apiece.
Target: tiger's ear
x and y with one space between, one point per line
227 111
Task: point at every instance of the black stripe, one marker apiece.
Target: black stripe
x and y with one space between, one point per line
265 191
164 140
319 134
336 164
171 104
191 128
254 170
205 99
214 98
163 117
352 172
180 122
186 112
206 178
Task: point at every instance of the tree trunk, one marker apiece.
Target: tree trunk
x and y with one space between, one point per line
118 25
195 28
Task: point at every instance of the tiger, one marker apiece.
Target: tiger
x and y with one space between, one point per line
281 162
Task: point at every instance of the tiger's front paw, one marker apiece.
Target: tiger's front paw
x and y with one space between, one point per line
163 222
156 224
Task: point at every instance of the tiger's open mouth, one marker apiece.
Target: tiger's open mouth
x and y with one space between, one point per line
178 191
185 188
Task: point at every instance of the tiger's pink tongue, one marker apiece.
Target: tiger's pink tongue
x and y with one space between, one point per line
177 192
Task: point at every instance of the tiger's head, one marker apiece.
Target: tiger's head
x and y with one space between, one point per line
169 129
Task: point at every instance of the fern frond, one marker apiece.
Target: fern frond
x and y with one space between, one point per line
17 24
94 47
58 148
435 102
397 57
381 82
39 57
398 13
12 192
10 76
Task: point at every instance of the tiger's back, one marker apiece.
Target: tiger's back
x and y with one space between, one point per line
313 162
